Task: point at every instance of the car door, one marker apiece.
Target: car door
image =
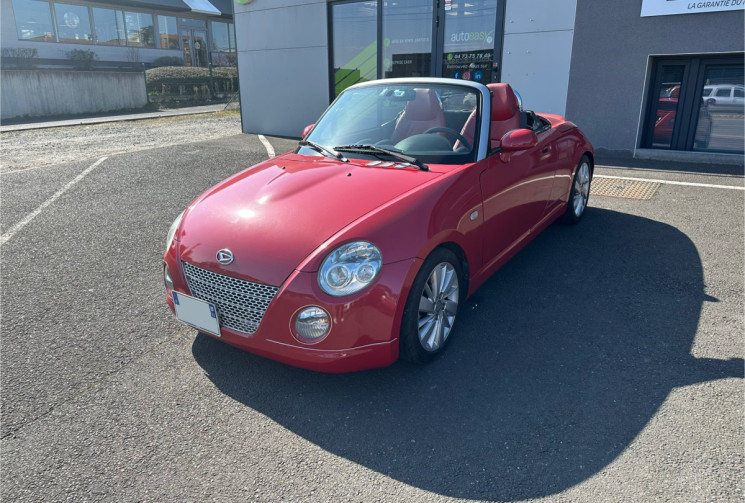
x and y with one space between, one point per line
738 96
515 188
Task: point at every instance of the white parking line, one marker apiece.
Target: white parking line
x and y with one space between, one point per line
28 218
670 182
267 145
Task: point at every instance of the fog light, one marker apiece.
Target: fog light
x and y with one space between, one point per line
168 280
311 324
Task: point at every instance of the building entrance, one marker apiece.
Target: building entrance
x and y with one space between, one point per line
373 39
194 43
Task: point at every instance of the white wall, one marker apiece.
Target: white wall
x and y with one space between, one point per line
537 51
39 93
282 64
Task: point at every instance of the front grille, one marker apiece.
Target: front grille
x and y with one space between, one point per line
240 304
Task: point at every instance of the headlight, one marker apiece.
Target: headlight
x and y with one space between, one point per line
350 268
167 279
173 229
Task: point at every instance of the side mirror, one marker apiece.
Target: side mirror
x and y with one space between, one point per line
307 129
518 139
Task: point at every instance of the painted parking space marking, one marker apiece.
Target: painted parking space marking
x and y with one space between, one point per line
267 145
671 182
28 218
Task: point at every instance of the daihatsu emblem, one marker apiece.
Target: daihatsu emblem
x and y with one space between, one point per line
225 256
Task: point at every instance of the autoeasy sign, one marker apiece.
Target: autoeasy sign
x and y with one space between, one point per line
670 7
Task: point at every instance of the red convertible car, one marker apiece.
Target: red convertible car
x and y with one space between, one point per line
360 246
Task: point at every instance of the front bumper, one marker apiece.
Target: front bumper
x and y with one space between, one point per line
364 327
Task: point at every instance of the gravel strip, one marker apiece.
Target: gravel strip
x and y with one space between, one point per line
47 147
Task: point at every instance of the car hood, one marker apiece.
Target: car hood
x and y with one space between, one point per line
275 214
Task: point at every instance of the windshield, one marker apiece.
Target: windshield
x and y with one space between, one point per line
433 123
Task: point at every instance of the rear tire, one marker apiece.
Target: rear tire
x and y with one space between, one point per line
431 307
579 194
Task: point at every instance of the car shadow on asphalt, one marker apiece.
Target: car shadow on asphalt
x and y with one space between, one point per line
557 363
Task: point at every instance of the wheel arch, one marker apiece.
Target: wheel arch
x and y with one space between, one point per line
591 157
460 253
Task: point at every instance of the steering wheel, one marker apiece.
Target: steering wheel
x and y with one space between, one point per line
452 132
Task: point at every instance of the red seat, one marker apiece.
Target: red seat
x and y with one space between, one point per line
422 113
505 115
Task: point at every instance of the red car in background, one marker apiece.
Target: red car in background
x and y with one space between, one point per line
362 244
667 109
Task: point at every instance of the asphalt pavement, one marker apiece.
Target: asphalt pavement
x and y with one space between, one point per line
603 363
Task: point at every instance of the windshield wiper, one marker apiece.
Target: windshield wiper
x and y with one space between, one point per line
374 150
322 150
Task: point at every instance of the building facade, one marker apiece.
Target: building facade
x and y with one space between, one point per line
125 32
641 77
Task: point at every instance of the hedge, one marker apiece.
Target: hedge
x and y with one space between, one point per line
167 79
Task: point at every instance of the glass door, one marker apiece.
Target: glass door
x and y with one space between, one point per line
470 39
407 38
373 39
194 43
354 51
696 103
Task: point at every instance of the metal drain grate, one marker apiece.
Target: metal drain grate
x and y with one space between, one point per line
628 189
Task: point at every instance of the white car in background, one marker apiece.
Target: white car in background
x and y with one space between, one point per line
725 95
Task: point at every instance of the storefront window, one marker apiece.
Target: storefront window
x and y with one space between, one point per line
469 40
222 39
109 26
168 32
223 44
33 20
721 115
140 29
355 43
696 103
667 105
407 38
413 40
73 24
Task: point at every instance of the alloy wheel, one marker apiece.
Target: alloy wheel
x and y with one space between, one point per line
438 306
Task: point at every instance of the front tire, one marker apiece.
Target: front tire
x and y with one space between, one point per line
580 193
432 307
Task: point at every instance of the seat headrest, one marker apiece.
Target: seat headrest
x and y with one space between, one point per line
504 103
424 107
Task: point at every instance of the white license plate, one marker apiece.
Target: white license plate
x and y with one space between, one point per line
197 313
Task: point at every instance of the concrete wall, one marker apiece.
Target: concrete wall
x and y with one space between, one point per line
283 63
537 51
610 56
56 92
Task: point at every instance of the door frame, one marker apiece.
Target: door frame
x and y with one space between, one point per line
692 86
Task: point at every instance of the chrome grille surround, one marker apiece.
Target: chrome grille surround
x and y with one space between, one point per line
240 304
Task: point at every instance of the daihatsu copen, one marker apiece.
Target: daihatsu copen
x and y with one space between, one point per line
361 245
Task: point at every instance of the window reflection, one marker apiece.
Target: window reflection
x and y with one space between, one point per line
469 40
73 24
407 38
355 51
168 33
33 20
140 30
109 26
721 118
667 105
223 44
